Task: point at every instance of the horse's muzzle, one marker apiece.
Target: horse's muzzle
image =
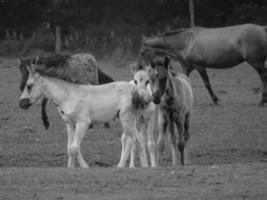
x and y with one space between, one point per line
24 103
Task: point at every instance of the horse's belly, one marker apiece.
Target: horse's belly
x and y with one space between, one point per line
103 113
215 56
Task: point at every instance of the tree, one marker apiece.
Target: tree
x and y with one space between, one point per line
192 13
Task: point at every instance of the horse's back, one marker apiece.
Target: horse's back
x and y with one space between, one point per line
227 46
185 90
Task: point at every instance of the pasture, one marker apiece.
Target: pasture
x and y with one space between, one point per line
227 148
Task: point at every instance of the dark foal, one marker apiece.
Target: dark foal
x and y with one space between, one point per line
174 97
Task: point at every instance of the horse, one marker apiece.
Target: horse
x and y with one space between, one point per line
82 105
77 68
174 97
218 48
142 101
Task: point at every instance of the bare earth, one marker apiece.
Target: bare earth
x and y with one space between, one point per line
228 148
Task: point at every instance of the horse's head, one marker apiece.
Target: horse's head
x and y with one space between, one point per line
142 94
31 92
159 77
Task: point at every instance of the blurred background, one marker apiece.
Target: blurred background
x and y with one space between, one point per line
110 29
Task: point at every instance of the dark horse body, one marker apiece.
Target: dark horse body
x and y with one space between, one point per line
78 68
218 48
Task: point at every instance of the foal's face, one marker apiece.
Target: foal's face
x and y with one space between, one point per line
159 77
31 92
141 79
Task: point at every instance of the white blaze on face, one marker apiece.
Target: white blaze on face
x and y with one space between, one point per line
31 91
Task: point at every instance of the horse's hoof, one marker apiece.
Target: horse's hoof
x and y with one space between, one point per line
46 124
216 101
106 125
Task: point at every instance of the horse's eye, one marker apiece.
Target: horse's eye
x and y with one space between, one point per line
29 88
147 82
135 82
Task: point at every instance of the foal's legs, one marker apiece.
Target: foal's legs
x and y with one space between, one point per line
141 147
203 73
133 152
180 123
70 130
262 72
150 140
186 138
127 137
127 142
163 123
81 128
173 142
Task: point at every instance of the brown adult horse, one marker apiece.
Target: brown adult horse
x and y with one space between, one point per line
218 48
78 68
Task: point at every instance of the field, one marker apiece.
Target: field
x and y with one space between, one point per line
228 147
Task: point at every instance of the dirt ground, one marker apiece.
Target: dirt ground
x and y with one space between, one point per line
228 148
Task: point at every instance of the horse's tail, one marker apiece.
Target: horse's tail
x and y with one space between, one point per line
140 98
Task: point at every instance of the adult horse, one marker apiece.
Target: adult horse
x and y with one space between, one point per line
78 68
218 48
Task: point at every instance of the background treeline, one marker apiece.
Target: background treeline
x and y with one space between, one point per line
109 28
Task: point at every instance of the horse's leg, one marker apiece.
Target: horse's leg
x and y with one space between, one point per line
163 123
186 138
173 143
180 123
262 72
44 114
127 137
128 141
133 152
81 128
150 140
203 73
142 147
70 130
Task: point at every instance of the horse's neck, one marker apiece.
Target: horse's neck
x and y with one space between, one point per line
170 88
53 89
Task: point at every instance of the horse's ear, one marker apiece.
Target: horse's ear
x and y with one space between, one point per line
30 69
19 60
133 68
166 61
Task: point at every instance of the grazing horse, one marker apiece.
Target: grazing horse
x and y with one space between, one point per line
78 68
174 96
83 105
218 48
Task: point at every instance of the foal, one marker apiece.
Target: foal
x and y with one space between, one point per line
174 96
82 105
144 123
